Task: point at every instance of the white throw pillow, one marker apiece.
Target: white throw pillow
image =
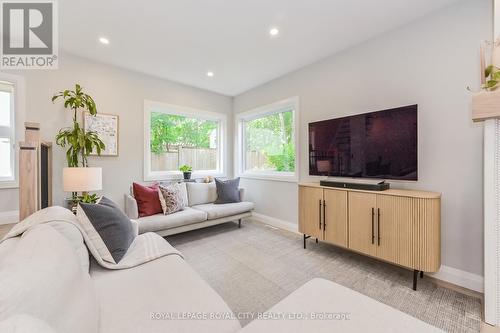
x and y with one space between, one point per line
201 193
184 194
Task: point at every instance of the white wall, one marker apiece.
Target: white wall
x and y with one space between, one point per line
115 91
429 63
9 200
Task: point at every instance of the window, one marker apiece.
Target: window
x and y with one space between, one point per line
176 136
267 141
7 133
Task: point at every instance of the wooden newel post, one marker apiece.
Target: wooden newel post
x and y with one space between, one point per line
35 172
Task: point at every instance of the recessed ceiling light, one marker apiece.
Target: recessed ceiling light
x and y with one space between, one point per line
104 40
274 32
210 74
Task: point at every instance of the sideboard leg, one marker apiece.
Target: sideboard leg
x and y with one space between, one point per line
415 275
239 223
316 241
421 274
305 237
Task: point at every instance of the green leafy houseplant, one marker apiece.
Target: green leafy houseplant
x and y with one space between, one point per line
185 168
81 143
492 75
85 198
88 198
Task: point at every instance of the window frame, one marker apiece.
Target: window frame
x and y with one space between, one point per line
16 127
259 112
152 106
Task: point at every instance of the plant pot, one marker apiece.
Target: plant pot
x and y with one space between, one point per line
485 105
187 175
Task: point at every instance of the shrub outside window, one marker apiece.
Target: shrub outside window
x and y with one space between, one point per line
177 136
267 141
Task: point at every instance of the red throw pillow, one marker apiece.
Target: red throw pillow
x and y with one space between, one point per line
148 200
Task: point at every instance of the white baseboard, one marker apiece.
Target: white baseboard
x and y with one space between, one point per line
9 217
460 278
448 274
276 222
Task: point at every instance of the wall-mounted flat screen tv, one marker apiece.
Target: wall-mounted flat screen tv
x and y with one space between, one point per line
380 145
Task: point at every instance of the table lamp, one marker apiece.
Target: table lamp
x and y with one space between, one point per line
82 180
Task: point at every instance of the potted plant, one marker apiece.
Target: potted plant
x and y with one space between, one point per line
485 103
491 78
186 171
80 143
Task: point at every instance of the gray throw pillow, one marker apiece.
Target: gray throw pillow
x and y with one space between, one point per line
227 191
112 227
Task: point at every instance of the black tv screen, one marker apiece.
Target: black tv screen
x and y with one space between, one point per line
379 144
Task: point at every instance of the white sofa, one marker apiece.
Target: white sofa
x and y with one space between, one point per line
48 280
49 284
323 306
200 213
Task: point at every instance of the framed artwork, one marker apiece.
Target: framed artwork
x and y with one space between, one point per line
106 126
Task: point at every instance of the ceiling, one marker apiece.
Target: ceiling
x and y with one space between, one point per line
181 40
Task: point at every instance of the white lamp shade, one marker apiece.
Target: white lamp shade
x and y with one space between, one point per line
82 179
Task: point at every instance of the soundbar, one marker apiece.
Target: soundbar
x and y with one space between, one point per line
382 186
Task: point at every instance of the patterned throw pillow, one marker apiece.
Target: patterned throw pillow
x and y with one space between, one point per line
171 198
183 189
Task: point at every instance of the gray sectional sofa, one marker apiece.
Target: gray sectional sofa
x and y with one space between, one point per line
201 211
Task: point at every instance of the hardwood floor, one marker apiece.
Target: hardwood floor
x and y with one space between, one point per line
485 328
4 229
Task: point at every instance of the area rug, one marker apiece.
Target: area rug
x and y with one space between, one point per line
255 267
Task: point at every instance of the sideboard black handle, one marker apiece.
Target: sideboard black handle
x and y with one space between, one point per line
373 225
319 216
324 215
378 226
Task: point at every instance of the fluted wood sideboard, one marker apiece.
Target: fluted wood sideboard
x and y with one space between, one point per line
402 227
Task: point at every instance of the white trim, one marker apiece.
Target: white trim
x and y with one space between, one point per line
460 278
10 133
17 119
265 110
449 274
221 118
276 222
9 217
491 207
8 184
270 177
276 107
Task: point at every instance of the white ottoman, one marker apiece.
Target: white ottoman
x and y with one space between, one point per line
324 306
